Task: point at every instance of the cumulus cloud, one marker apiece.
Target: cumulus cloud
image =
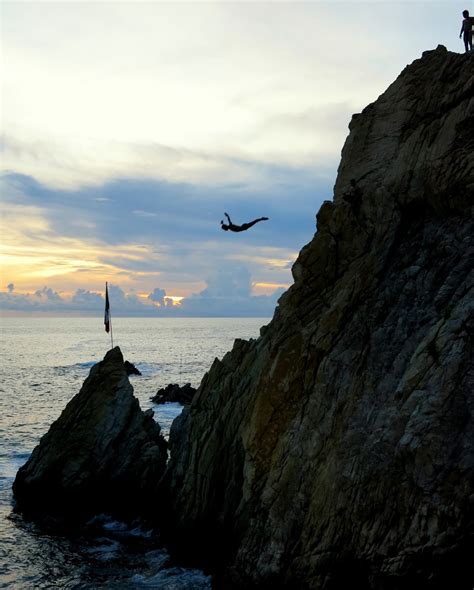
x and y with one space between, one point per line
227 294
158 296
228 282
84 299
127 303
47 294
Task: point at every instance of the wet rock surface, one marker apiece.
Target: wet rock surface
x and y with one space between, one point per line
102 454
338 448
181 394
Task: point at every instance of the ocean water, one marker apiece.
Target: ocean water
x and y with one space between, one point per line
43 362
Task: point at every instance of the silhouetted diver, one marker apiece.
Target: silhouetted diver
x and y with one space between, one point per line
232 227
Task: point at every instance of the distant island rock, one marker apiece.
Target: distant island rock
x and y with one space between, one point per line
182 394
102 454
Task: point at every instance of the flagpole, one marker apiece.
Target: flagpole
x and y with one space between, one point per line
111 331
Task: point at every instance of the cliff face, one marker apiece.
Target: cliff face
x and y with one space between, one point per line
339 446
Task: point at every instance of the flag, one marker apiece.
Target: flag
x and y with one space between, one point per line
107 310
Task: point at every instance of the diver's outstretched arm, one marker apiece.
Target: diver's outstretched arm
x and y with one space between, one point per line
228 218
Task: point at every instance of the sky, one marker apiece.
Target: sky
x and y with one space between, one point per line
129 128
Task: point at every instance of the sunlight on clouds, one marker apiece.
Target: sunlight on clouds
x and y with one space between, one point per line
31 218
267 288
175 300
251 97
168 300
58 246
266 261
69 165
43 270
205 94
30 253
31 265
276 263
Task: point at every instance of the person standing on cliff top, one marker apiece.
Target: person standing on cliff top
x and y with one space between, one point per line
466 30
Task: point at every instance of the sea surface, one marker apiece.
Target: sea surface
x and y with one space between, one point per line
43 362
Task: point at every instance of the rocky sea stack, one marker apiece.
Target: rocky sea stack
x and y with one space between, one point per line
338 448
103 454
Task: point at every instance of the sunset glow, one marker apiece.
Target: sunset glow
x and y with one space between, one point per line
123 146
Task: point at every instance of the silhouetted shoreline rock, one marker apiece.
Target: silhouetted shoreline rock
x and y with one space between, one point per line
102 454
182 394
131 369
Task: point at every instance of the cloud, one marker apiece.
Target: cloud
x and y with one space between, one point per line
196 113
144 213
128 303
47 294
227 293
120 160
158 296
42 300
174 210
228 282
90 162
86 300
71 240
10 287
86 163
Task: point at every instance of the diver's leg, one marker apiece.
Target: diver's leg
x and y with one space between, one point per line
248 225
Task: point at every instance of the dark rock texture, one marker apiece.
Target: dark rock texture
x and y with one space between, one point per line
131 369
338 449
182 394
102 454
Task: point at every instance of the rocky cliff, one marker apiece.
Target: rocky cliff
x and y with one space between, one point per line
103 454
338 448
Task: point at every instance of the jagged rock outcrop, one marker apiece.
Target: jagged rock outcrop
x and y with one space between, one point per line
102 454
131 369
338 448
181 394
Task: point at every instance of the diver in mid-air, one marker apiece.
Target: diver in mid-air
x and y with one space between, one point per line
232 227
